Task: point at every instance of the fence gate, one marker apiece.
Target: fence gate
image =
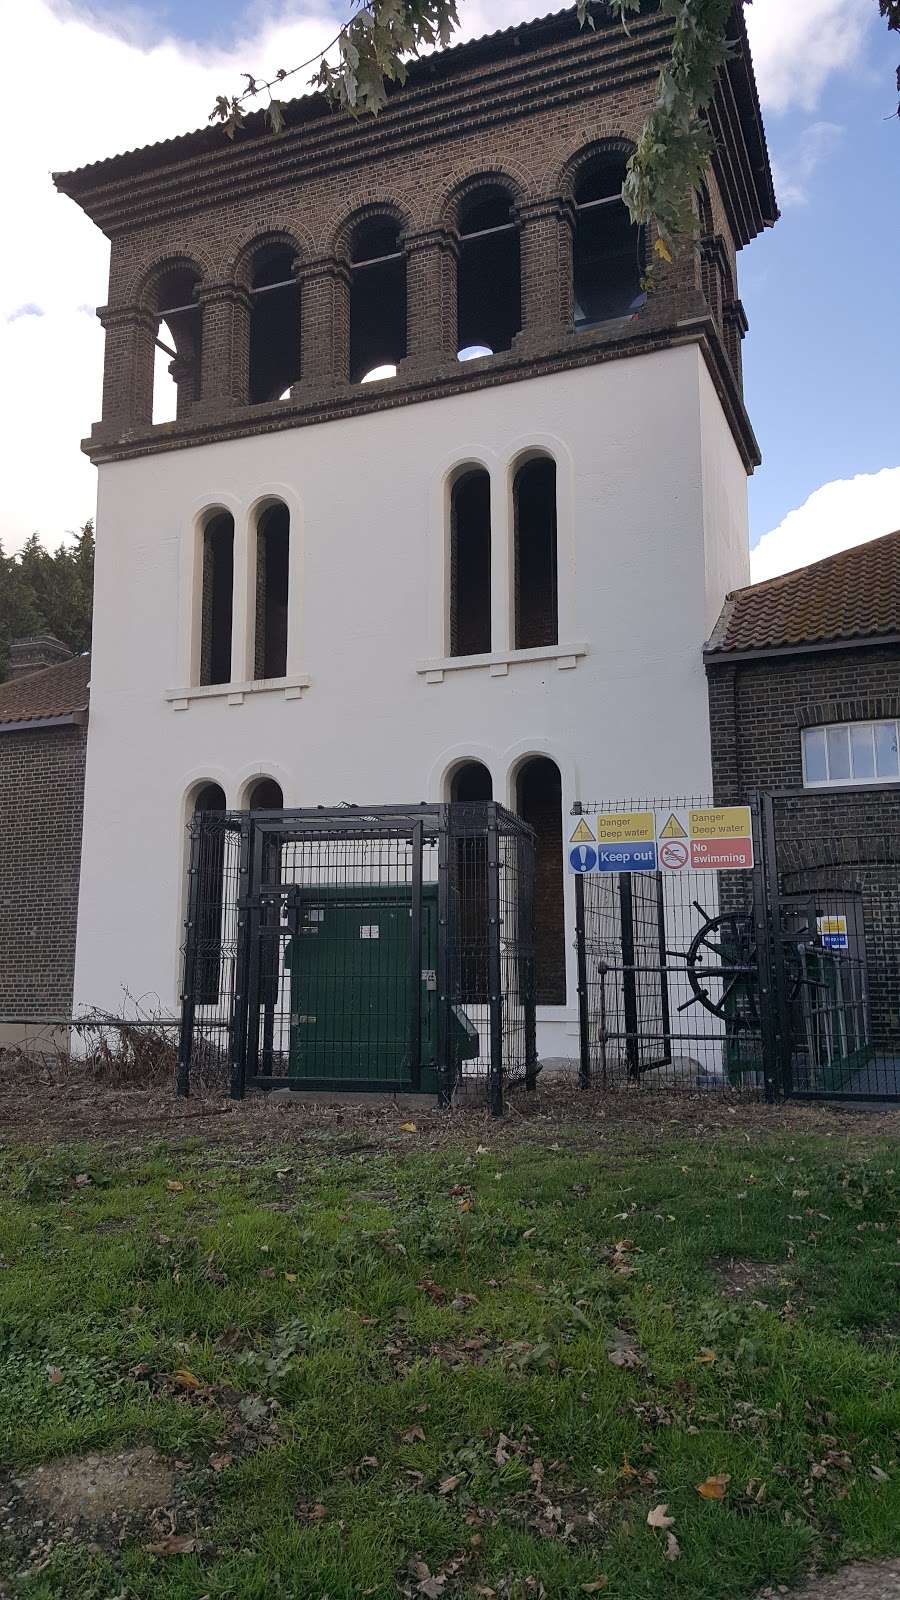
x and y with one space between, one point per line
781 979
833 883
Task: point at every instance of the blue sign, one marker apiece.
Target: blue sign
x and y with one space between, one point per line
583 858
627 857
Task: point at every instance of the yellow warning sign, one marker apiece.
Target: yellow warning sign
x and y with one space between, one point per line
721 822
673 829
621 827
582 834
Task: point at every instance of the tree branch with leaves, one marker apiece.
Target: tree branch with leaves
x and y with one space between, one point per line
375 45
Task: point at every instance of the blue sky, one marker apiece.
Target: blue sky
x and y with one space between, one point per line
823 354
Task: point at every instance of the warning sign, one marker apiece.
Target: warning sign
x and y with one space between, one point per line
676 839
582 834
833 933
720 822
624 827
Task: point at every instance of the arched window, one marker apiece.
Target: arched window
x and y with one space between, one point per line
218 591
210 864
470 564
536 601
539 803
609 248
273 536
489 288
471 783
177 336
274 324
265 795
377 301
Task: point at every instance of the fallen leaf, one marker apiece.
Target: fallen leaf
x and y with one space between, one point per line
185 1379
290 1277
219 1463
597 1587
449 1484
311 1513
707 1357
673 1548
714 1488
81 1179
174 1187
407 1127
55 1374
176 1544
659 1517
433 1290
413 1436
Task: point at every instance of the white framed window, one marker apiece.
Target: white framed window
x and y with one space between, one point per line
851 752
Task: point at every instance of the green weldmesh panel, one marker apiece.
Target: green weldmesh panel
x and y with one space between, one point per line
352 971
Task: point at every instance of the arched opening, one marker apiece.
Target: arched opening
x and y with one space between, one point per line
210 865
265 795
489 287
218 594
539 803
177 339
274 324
470 564
609 248
472 784
536 583
377 301
273 538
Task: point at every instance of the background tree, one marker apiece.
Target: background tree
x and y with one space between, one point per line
43 591
674 148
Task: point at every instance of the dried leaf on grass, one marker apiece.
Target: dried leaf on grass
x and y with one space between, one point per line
659 1517
175 1544
714 1488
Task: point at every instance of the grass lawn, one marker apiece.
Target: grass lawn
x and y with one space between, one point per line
457 1370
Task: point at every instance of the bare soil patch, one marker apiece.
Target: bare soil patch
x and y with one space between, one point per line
92 1489
748 1280
866 1581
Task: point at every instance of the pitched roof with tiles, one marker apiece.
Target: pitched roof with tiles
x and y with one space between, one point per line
58 691
853 595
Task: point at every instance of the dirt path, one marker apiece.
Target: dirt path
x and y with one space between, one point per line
875 1581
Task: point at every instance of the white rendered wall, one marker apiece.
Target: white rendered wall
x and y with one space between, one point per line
652 532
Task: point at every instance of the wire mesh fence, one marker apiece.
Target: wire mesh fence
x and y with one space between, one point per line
360 949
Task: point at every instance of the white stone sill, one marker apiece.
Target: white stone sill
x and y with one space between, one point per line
498 662
235 693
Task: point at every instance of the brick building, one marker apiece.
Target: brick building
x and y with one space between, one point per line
401 539
43 738
804 695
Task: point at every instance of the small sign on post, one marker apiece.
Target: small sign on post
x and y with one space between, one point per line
672 840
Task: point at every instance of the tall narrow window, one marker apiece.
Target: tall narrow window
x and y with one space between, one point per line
609 249
210 897
218 590
177 336
539 803
274 325
489 292
470 564
534 497
377 301
273 532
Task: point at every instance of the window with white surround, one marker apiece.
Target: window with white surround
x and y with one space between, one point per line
851 752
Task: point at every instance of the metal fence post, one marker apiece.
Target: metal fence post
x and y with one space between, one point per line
584 1035
525 939
444 1067
495 976
763 930
415 974
189 965
240 1011
784 1039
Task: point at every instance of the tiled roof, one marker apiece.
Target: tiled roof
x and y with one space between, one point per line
53 692
852 595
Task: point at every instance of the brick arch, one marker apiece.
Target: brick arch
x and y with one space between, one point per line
516 180
146 280
289 233
562 178
336 241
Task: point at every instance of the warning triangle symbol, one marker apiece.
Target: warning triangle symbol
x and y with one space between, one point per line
582 834
673 829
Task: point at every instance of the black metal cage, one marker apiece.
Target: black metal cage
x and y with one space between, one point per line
361 948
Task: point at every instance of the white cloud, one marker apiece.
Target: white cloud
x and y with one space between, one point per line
847 512
795 169
798 44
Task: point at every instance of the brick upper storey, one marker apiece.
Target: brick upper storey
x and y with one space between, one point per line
56 693
851 596
524 110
